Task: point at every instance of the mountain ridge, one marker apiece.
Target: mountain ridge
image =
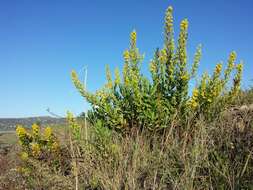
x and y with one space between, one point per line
8 124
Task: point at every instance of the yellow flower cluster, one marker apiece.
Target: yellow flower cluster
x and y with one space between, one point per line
77 83
133 37
185 77
152 67
169 20
70 117
218 69
232 56
99 93
231 62
184 25
117 76
34 143
163 56
20 131
35 129
182 54
73 124
239 67
23 170
203 85
125 74
35 149
24 156
194 99
237 79
48 133
134 55
126 55
196 62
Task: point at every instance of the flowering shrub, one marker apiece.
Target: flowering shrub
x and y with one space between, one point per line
134 101
75 128
34 144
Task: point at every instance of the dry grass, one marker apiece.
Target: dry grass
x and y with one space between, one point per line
189 154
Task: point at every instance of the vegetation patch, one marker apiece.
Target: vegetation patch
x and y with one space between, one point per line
146 133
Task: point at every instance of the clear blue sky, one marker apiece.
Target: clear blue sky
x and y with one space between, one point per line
41 41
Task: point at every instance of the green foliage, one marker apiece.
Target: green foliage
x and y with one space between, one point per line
35 143
207 145
74 126
39 146
135 101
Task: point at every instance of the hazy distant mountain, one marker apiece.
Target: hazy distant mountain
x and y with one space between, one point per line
7 124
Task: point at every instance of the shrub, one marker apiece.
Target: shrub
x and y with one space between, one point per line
35 143
135 101
39 146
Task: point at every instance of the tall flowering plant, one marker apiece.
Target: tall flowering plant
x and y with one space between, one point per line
132 100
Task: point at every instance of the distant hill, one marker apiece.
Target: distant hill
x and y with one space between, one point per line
9 124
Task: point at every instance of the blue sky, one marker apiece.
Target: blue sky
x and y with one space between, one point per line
42 41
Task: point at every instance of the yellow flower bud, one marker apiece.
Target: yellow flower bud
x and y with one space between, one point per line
20 131
35 149
218 68
239 67
152 67
133 37
169 20
126 56
184 24
35 129
185 77
117 76
163 56
193 101
48 133
24 156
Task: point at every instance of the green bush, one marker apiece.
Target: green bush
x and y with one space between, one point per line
134 101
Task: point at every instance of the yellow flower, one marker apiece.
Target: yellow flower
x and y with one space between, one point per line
185 77
233 56
152 67
184 24
23 170
169 20
72 121
194 104
133 55
20 131
163 56
35 129
239 67
170 9
24 156
218 68
195 92
48 133
35 149
203 94
126 56
70 117
133 37
117 76
193 101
